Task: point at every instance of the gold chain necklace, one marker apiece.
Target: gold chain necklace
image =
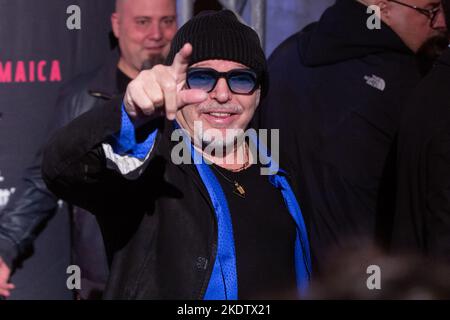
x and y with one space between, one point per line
238 188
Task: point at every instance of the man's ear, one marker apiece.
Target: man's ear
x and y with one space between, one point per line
258 97
385 10
115 24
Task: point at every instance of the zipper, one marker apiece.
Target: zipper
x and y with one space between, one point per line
212 261
101 95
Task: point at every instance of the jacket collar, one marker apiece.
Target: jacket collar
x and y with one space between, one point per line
167 128
445 57
104 84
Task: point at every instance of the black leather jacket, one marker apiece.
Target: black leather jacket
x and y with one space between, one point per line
33 204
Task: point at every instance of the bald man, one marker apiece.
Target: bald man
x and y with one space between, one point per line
144 29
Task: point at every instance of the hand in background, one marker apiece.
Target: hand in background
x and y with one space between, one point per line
5 286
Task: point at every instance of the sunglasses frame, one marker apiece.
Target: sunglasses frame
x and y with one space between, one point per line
226 75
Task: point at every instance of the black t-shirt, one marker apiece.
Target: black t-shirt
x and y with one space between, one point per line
264 235
122 81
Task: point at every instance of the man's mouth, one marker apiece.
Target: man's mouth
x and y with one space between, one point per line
220 114
220 118
154 48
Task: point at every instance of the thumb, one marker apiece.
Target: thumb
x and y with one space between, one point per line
181 60
191 96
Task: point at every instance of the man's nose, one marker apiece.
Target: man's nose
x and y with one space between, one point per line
154 32
221 92
439 23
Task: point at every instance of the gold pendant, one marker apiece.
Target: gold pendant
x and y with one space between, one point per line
239 190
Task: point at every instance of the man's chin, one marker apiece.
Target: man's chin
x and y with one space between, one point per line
152 61
221 138
223 146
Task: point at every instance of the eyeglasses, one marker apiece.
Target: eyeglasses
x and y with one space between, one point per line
429 13
239 81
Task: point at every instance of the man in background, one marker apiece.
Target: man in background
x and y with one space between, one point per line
336 92
422 220
144 29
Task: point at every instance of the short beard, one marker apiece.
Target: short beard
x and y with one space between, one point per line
232 139
430 51
152 61
211 137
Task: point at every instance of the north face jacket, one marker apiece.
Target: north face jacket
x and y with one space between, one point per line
422 221
336 94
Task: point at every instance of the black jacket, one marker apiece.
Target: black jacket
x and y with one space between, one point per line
160 229
336 92
422 222
33 204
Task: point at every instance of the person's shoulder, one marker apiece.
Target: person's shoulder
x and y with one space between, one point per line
286 46
287 49
74 97
79 84
400 72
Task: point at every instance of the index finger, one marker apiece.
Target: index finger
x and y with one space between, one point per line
181 61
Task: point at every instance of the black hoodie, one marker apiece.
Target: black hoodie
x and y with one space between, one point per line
336 93
422 222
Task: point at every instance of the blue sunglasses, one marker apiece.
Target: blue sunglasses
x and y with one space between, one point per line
240 81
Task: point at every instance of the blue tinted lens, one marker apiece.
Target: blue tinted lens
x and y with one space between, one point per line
201 79
242 82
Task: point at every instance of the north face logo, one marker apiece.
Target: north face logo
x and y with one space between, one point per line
376 82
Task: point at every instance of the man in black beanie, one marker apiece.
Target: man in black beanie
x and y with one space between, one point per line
422 220
196 218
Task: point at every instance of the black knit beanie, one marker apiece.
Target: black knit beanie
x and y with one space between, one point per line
220 35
